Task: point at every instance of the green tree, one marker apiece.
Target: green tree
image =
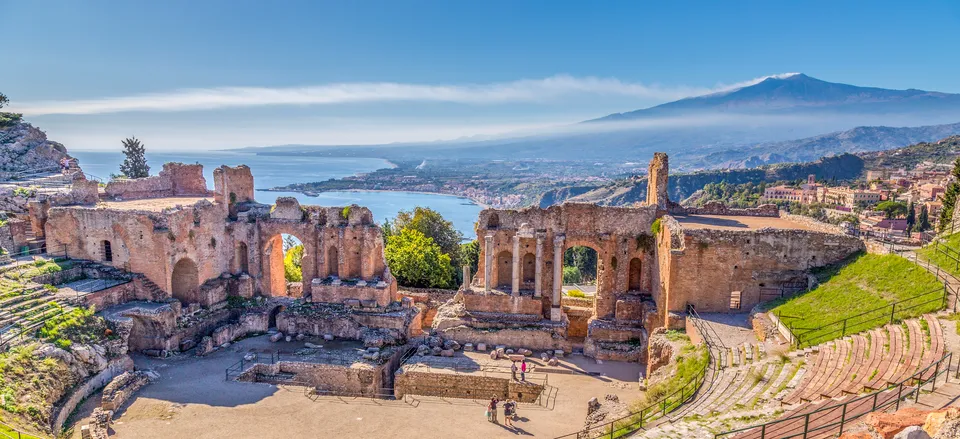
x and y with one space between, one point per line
923 220
430 223
571 275
584 260
3 100
135 164
293 264
950 197
892 209
417 261
911 217
470 254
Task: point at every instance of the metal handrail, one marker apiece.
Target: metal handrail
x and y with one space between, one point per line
913 390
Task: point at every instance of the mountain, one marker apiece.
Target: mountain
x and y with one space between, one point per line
742 126
795 92
859 139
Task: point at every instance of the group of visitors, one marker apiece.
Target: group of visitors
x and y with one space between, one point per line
522 369
509 411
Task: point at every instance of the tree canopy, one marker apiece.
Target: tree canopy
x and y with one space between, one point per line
135 163
417 261
892 209
293 263
441 232
4 100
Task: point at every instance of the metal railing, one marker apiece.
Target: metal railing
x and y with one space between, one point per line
20 332
823 420
887 314
9 432
634 421
238 368
946 277
710 335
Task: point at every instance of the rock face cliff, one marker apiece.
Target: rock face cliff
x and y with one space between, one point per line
24 148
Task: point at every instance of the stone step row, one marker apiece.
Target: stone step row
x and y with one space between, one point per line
739 355
871 360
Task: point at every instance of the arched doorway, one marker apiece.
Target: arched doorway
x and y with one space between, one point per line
272 321
505 270
282 264
241 258
580 271
636 275
185 280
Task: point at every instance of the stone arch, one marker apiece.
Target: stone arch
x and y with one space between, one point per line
505 269
185 279
242 258
106 249
635 282
529 268
272 319
274 280
493 222
333 261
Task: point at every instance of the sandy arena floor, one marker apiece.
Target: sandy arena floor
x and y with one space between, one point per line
192 399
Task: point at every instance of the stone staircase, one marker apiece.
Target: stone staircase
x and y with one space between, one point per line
752 388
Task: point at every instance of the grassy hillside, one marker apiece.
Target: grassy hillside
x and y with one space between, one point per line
864 284
946 257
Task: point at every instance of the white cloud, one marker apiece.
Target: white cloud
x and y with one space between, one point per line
526 90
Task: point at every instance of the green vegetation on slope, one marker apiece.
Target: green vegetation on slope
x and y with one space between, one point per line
943 152
940 254
860 285
27 382
76 326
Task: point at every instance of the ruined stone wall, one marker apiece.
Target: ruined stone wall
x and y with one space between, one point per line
502 303
233 184
463 386
718 208
618 234
176 179
151 243
358 379
657 181
707 266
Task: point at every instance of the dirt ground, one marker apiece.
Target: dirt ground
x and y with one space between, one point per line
192 399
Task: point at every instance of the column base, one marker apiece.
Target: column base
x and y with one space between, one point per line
556 313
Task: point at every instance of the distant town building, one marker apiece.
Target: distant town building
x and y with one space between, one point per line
843 196
805 194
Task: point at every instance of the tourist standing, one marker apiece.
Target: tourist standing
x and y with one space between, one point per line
492 408
513 370
508 411
523 370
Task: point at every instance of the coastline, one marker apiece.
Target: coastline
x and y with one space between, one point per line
478 203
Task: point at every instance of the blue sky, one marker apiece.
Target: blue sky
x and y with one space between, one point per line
259 73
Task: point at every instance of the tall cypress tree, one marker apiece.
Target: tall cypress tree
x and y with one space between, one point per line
135 165
911 217
923 220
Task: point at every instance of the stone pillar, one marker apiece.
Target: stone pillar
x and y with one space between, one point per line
537 288
487 263
466 278
515 285
557 277
341 255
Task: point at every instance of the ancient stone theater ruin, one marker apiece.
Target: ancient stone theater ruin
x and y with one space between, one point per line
201 269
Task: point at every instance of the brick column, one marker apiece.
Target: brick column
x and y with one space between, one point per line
487 263
557 277
537 288
515 285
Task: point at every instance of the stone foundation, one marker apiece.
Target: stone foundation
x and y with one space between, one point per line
356 379
464 386
326 291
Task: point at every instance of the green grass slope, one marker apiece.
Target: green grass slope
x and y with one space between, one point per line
863 289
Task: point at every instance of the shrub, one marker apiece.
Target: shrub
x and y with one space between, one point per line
576 293
77 326
655 227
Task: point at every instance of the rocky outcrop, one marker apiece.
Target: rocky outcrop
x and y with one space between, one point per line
24 147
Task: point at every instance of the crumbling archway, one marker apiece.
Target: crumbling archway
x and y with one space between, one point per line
185 279
275 249
272 320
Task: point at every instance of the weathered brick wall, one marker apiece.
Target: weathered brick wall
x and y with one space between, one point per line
358 379
502 303
718 208
237 181
711 264
176 179
578 317
328 293
463 386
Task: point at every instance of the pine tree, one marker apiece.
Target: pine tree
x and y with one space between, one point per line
135 165
3 100
950 197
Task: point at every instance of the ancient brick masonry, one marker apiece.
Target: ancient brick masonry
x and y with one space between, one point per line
176 179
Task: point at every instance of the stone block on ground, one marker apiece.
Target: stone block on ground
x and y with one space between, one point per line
205 347
481 347
451 344
276 337
887 425
309 345
558 353
912 432
525 352
446 353
301 336
436 350
494 355
468 347
187 344
515 357
250 356
544 356
328 337
423 350
553 362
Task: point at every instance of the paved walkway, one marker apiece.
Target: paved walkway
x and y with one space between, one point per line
192 399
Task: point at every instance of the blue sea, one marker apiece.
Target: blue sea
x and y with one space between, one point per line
273 171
